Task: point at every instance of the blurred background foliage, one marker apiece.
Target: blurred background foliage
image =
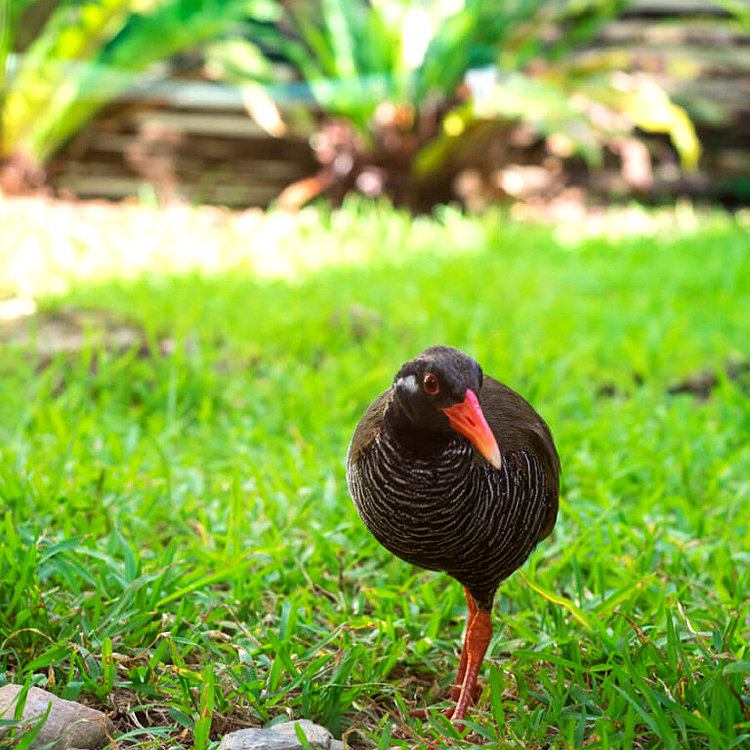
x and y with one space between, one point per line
86 54
419 101
396 72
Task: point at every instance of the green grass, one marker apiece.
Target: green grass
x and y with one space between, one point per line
178 547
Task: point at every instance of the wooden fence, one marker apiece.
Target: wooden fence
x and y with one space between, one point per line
195 139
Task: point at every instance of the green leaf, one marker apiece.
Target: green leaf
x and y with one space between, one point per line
302 737
201 733
737 667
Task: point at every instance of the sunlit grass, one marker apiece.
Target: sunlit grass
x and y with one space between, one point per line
181 502
50 245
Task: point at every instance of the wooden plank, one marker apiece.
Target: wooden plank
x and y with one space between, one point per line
729 59
713 32
674 7
201 124
192 170
117 188
211 95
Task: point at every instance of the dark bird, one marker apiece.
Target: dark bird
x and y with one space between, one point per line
452 470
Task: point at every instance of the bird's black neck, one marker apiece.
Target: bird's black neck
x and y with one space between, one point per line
412 439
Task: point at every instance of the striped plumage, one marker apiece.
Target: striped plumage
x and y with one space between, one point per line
423 515
431 497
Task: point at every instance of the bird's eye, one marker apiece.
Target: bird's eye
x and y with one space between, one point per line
431 384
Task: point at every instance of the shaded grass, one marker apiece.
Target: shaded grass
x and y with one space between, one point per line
178 545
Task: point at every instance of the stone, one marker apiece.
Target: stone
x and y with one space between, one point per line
281 737
70 725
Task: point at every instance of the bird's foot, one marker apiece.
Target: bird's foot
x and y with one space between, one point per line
423 713
449 713
476 692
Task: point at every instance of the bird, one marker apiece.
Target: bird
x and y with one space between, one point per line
451 470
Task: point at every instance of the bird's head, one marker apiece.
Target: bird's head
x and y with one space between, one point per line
438 391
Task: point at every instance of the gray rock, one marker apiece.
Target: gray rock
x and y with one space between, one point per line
281 737
71 724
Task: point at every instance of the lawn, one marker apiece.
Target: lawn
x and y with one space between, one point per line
177 545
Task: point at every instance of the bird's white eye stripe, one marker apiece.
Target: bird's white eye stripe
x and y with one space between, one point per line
409 382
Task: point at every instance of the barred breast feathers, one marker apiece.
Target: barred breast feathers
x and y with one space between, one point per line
442 513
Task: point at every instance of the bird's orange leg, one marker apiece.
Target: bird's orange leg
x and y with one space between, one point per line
477 639
456 687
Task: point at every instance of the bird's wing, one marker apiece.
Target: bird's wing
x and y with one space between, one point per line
368 427
518 427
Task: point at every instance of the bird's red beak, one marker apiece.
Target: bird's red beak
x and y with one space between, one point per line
467 418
